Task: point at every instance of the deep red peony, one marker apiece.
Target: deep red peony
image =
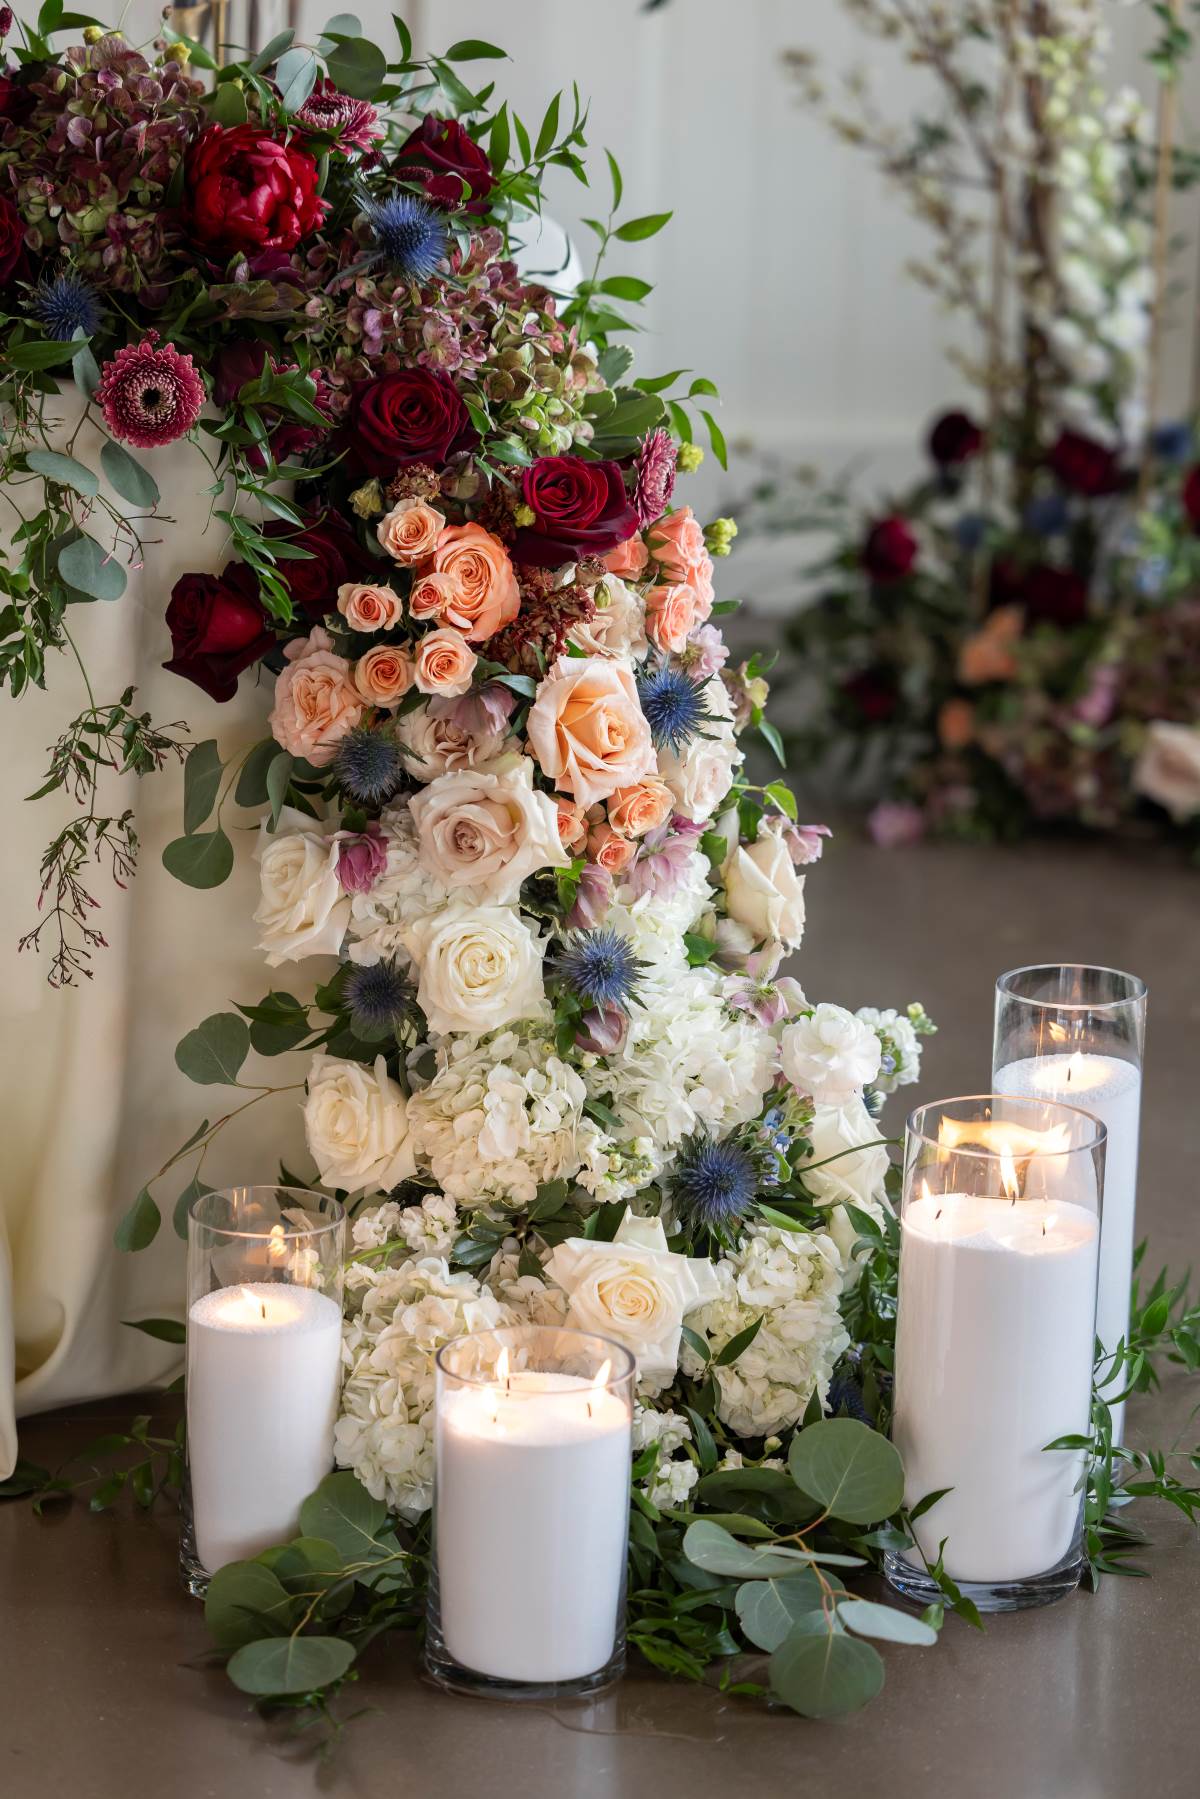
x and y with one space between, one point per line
1054 596
248 191
872 693
416 415
218 628
13 260
954 439
1191 497
1085 466
440 156
579 509
890 549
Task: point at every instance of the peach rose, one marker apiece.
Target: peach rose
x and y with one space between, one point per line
572 826
987 655
445 663
316 702
366 607
384 675
409 533
956 724
628 560
587 730
609 850
430 596
635 810
485 594
671 616
677 545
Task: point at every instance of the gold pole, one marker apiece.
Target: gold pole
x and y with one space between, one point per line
1168 99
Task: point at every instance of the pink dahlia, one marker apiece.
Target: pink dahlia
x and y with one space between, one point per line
150 395
354 123
654 477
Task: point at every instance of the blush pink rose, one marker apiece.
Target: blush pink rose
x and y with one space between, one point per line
445 663
366 607
384 675
409 533
677 545
671 616
316 702
635 810
609 850
587 730
484 593
628 560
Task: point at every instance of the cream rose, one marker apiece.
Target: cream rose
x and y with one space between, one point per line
445 663
635 1291
436 744
316 701
367 607
701 777
479 967
302 909
846 1139
587 730
830 1054
617 628
409 533
1168 769
764 892
487 829
356 1126
384 675
483 587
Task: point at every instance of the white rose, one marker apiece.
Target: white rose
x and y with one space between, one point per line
436 744
634 1290
763 890
302 910
703 775
1168 769
617 628
488 828
830 1055
480 967
356 1124
854 1178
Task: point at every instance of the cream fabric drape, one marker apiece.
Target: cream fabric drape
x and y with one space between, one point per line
91 1103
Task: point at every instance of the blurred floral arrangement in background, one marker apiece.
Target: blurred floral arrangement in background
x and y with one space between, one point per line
1014 640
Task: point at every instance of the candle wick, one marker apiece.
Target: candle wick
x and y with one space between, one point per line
937 1214
589 1408
263 1304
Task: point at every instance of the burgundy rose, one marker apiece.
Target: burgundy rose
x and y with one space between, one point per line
1084 466
218 628
336 558
440 156
416 415
890 549
234 365
1191 497
579 509
1055 596
16 101
872 693
247 190
13 261
955 438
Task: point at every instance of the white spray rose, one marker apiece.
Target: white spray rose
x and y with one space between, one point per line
488 828
764 892
1168 769
356 1125
480 967
856 1177
302 910
830 1055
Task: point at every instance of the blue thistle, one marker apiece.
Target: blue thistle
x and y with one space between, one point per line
67 304
409 233
600 967
971 529
369 766
379 998
1173 442
714 1184
846 1398
1047 516
673 707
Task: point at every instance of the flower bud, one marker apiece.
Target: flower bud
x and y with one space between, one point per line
689 459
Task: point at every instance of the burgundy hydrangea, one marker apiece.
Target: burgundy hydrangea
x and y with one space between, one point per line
1054 596
354 123
654 477
954 439
890 549
150 394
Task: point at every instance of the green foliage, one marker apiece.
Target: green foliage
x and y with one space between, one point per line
213 1053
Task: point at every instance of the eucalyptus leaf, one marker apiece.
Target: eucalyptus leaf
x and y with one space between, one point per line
344 1514
711 1547
251 789
65 470
183 1205
768 1609
204 859
357 67
853 1472
287 1665
245 1601
825 1674
212 1054
296 77
201 783
85 566
868 1619
163 1330
279 775
139 1227
85 370
127 476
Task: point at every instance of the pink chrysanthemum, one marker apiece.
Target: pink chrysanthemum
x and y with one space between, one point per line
355 123
654 478
150 395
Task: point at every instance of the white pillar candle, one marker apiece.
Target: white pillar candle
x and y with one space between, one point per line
994 1361
1111 1090
531 1515
264 1364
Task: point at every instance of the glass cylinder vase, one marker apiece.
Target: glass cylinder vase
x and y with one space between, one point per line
999 1248
264 1328
531 1513
1076 1034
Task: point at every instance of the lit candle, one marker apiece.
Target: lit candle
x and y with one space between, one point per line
531 1520
263 1370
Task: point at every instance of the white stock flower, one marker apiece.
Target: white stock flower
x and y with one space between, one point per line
846 1140
900 1064
829 1054
479 967
487 828
670 1430
634 1290
764 892
703 775
356 1125
302 909
672 1482
428 1229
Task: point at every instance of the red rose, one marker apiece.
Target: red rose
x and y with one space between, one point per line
872 694
416 415
218 628
1055 596
954 438
1191 497
440 156
579 509
1084 466
337 558
13 260
246 191
890 550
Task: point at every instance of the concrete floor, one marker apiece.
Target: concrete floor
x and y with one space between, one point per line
104 1688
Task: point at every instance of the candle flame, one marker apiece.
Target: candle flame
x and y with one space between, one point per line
1058 1032
602 1374
502 1364
1008 1174
276 1244
925 1190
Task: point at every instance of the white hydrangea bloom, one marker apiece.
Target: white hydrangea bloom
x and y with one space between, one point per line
793 1280
427 1229
531 1299
404 894
655 923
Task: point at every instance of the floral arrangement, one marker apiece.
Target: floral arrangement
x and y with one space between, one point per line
1014 640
